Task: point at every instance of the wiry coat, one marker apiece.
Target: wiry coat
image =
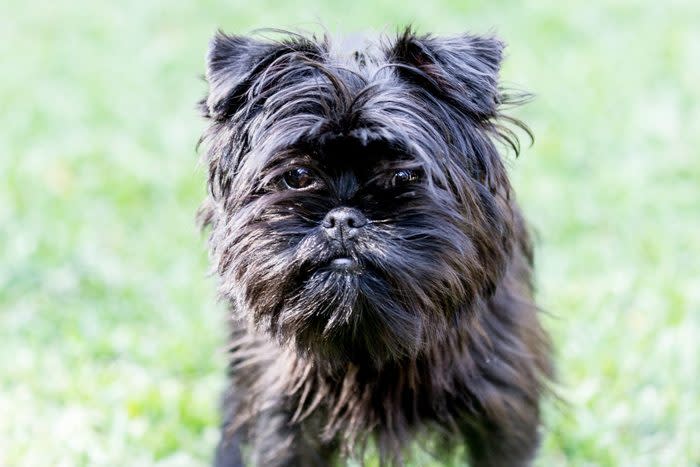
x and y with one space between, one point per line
434 338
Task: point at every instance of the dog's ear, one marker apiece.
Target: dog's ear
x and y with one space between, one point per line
232 62
463 69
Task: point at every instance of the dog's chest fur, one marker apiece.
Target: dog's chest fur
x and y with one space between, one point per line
434 400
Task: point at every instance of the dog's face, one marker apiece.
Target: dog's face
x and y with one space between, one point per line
357 203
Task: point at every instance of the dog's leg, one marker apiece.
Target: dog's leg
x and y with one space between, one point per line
514 372
507 433
278 443
228 451
501 448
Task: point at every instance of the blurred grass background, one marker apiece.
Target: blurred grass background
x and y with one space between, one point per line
110 337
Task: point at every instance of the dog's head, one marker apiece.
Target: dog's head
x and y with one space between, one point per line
358 203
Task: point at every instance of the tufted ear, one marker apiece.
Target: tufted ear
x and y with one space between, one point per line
232 62
463 69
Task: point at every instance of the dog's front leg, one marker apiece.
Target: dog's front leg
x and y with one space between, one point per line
278 442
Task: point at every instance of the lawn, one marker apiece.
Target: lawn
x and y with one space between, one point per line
111 341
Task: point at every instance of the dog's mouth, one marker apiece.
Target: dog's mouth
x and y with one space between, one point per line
342 264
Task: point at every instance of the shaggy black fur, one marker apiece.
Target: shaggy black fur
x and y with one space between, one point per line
378 269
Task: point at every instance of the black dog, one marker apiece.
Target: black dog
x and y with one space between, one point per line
378 268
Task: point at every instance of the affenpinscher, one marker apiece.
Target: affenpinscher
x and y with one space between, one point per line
377 266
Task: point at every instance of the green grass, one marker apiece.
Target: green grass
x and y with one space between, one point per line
110 337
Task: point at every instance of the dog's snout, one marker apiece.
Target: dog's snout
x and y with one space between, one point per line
344 218
342 223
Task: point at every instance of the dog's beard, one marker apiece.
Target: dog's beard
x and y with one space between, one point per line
414 267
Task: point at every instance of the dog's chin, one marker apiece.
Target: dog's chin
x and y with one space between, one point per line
345 312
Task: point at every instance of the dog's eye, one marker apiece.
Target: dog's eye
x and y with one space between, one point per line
298 179
403 177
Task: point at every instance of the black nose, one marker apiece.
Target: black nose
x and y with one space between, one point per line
343 223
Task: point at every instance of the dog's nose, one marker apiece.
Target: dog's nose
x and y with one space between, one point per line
343 223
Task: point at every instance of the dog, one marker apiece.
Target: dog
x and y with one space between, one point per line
365 234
